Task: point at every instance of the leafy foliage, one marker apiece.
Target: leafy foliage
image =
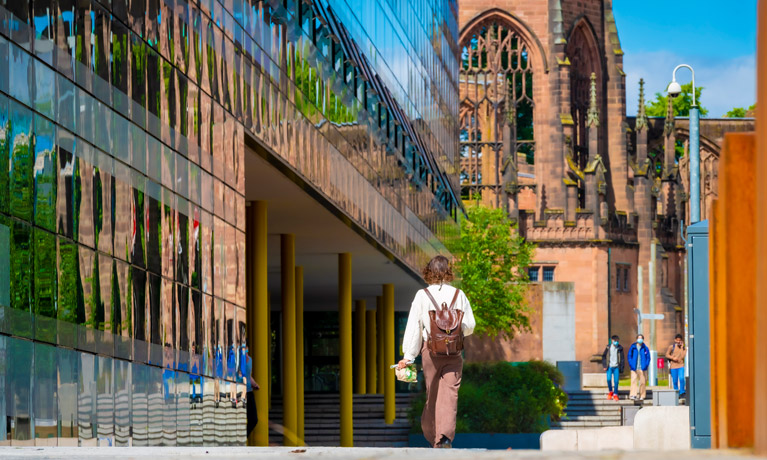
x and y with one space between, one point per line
501 398
740 112
492 268
681 104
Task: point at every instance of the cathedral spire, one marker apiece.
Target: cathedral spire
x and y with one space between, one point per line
593 113
641 122
558 20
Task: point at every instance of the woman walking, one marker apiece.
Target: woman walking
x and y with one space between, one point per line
440 317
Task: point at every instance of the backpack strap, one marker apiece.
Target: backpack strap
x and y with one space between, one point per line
455 297
436 305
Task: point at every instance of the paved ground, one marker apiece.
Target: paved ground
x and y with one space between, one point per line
288 453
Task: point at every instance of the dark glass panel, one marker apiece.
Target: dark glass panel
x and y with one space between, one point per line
153 23
196 40
153 227
21 163
122 308
196 330
105 401
139 409
120 66
19 319
217 145
208 346
138 303
121 136
123 218
231 340
185 112
154 308
182 241
154 159
168 319
102 303
89 284
18 397
45 286
182 35
45 395
5 143
138 67
182 310
206 130
64 36
195 262
68 370
195 177
44 20
194 122
206 252
103 203
122 398
68 189
218 337
168 233
138 220
138 148
84 180
120 9
153 91
136 13
225 73
83 34
100 54
45 174
169 104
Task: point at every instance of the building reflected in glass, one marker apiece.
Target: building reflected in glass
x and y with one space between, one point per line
124 125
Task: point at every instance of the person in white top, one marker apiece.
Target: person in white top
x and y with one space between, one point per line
442 373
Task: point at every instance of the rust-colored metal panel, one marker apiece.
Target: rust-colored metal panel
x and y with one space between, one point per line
734 307
760 393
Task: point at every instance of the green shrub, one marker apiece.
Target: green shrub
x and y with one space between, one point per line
501 398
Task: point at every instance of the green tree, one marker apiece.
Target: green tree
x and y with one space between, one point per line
740 112
682 103
492 268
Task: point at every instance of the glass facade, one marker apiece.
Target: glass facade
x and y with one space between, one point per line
124 126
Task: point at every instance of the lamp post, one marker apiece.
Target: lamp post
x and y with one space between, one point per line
674 89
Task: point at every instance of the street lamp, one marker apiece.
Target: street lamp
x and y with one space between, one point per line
674 89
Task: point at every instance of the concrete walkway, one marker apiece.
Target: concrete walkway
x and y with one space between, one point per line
284 453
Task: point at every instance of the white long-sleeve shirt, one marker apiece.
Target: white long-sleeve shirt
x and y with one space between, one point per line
419 323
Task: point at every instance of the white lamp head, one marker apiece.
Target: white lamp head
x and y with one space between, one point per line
674 89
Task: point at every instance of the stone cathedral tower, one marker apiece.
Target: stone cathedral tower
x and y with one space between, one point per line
544 134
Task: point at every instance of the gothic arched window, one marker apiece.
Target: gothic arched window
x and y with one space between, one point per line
496 90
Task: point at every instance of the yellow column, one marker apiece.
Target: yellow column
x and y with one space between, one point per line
389 404
257 313
760 393
300 351
370 352
345 348
289 390
380 346
359 347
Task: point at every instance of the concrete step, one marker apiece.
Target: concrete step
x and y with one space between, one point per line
583 424
592 418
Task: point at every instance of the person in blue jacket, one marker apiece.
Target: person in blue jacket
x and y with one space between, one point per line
639 362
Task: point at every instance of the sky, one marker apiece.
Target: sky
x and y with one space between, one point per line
717 38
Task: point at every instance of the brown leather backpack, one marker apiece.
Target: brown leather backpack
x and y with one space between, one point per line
446 336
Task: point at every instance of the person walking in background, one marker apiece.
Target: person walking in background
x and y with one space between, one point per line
440 317
676 354
613 364
639 362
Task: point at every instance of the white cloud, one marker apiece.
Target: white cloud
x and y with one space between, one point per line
727 83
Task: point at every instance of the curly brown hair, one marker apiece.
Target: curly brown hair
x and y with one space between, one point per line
438 271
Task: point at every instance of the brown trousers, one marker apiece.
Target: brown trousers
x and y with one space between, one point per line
638 380
443 378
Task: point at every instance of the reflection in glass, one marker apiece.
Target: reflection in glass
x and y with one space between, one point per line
138 209
122 411
45 285
18 398
155 404
105 403
123 222
68 378
45 90
209 400
153 227
5 141
45 174
84 197
120 77
169 408
45 395
67 205
122 308
88 285
18 318
20 69
86 400
21 164
139 409
71 305
196 421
